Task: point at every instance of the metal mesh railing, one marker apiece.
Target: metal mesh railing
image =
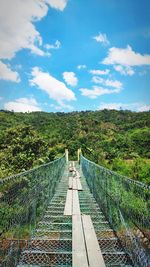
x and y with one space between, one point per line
23 199
51 242
126 207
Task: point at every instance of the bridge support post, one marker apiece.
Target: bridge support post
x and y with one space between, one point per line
79 152
66 153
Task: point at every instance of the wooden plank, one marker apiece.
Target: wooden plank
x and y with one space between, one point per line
79 255
79 186
73 173
68 204
74 168
78 174
75 202
74 184
70 183
94 253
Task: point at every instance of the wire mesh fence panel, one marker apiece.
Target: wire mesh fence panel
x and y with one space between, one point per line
125 203
23 199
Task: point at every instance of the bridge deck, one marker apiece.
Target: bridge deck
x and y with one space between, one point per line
58 239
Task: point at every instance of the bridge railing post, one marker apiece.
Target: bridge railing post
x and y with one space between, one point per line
66 153
78 154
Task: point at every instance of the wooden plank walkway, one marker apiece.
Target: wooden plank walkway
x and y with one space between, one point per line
94 253
75 202
74 184
68 204
79 186
70 183
72 205
78 243
78 174
85 247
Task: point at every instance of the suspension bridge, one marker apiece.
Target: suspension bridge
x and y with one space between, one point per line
65 214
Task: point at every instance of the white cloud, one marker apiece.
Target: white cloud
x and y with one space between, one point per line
116 106
70 78
102 38
57 45
130 106
22 105
79 67
62 107
124 70
110 106
56 89
97 91
126 57
107 82
7 74
99 72
57 4
144 108
17 30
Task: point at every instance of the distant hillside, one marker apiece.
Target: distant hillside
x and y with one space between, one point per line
116 139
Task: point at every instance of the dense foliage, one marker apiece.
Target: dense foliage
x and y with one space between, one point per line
118 140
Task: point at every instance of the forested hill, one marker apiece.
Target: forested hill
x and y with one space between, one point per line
118 140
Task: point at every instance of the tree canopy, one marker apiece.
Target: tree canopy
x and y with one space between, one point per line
118 140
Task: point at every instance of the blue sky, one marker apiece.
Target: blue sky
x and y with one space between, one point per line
59 55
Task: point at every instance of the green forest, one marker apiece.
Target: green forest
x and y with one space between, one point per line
117 140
